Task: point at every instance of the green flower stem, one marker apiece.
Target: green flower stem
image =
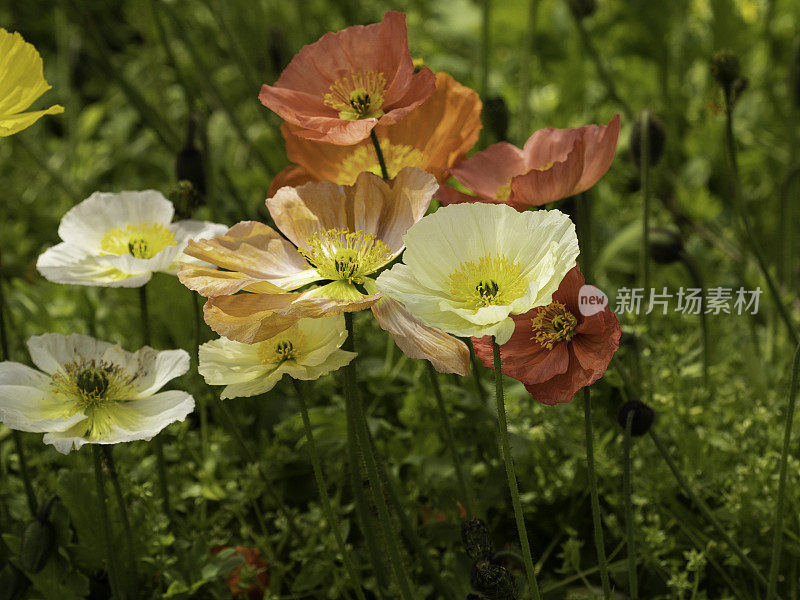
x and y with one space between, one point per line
682 481
599 541
633 580
486 43
745 222
777 541
158 445
505 444
476 374
333 520
465 490
126 523
105 523
526 59
644 178
198 319
351 390
16 435
697 281
377 145
583 219
251 457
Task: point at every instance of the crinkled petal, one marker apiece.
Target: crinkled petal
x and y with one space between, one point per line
14 123
485 172
51 351
69 264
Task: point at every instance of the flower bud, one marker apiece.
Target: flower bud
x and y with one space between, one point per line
582 8
656 138
185 198
278 49
493 581
665 246
476 539
495 113
189 162
725 69
13 583
643 417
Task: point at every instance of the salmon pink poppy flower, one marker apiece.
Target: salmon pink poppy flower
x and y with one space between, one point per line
553 164
339 236
340 87
432 137
555 350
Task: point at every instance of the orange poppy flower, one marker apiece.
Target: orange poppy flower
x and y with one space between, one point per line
555 350
338 88
553 164
433 138
337 234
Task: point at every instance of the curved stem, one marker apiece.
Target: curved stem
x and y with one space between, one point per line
105 523
505 444
682 481
739 204
351 390
599 542
633 581
464 489
777 541
126 523
355 580
644 175
377 145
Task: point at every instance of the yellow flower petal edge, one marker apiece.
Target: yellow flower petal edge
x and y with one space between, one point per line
21 83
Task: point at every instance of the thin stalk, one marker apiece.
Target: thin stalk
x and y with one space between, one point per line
505 444
126 523
464 489
633 580
486 42
745 222
377 145
476 374
158 445
105 523
697 280
525 69
351 390
16 435
644 178
354 452
583 218
777 540
684 483
195 357
599 541
333 520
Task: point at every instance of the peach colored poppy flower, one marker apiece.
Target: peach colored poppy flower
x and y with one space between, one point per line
433 138
338 88
553 164
555 350
337 234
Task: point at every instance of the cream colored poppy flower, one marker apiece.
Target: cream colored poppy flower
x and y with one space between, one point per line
337 234
120 240
91 392
468 267
308 349
21 83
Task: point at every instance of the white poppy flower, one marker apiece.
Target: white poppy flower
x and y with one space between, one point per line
308 349
120 240
468 267
92 392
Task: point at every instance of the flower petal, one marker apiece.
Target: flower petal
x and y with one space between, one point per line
51 351
486 171
552 182
151 369
14 123
65 263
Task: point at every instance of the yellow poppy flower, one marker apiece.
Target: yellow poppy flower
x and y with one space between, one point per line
21 83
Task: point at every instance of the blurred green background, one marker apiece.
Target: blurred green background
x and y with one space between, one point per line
130 74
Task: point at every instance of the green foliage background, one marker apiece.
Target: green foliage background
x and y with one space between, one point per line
130 72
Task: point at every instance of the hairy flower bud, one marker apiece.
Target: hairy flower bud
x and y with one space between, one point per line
656 138
185 198
725 69
665 246
493 581
643 417
476 539
189 162
582 8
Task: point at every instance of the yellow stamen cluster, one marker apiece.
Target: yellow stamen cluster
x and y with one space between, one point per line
553 324
90 385
339 254
271 352
364 158
492 280
357 96
140 240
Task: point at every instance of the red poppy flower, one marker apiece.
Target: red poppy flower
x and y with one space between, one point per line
251 579
555 350
338 88
553 164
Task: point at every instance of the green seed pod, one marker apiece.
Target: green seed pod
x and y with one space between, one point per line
725 69
665 246
476 539
656 139
38 543
13 583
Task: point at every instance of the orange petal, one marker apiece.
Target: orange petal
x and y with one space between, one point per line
212 282
600 145
449 195
485 172
302 211
446 353
293 175
537 187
